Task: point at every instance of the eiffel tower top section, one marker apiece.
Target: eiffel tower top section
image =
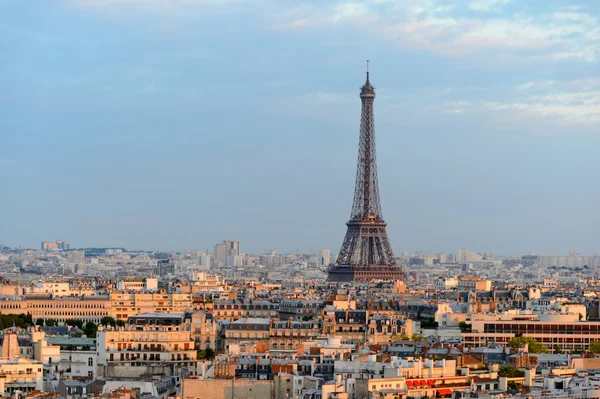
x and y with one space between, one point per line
366 205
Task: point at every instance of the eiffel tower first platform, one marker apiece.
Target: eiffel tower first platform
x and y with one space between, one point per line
366 253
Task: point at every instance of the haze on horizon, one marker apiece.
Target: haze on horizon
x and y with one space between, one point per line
173 125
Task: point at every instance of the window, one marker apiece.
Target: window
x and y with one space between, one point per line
91 374
91 361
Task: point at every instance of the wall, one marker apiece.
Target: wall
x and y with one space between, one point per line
221 389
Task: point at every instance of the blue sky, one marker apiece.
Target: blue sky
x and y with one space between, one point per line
174 124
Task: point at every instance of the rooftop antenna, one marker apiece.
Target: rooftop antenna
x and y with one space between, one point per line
367 71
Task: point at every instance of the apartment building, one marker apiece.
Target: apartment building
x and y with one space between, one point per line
127 304
138 284
564 331
151 343
287 335
247 329
349 325
18 374
236 309
299 309
206 331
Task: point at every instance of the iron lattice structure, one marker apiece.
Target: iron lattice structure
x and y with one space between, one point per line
366 253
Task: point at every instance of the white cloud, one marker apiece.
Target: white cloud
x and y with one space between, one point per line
487 5
562 35
531 85
565 103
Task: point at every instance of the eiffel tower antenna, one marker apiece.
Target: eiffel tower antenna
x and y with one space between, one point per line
366 253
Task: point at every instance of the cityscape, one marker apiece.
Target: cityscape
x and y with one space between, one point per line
109 306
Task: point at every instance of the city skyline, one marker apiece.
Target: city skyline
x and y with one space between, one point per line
483 144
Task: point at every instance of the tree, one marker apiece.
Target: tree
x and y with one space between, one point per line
417 337
595 347
399 337
107 320
533 345
510 372
431 323
74 323
306 317
90 329
464 327
206 354
120 323
18 320
557 350
51 322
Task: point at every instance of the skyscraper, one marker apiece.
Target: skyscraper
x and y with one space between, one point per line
366 253
227 253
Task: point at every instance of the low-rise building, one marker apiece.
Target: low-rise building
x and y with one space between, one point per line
153 343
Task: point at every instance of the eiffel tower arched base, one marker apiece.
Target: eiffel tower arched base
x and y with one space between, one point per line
363 274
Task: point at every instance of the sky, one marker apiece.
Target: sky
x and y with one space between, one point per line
176 124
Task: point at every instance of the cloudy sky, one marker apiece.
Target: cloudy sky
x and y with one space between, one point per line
174 124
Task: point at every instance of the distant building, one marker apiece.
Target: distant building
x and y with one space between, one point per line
324 256
227 253
58 245
138 284
467 256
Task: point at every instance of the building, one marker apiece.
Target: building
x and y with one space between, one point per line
324 257
467 256
42 306
225 250
443 283
76 257
237 309
206 331
247 329
78 357
138 284
300 309
287 335
470 283
17 373
164 267
152 343
58 245
561 331
350 325
127 304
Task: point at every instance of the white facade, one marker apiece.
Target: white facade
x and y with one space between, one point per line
78 363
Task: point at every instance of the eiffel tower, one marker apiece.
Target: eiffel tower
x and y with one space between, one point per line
366 253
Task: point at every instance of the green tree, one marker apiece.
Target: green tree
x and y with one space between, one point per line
90 329
431 323
464 327
557 350
206 354
51 322
74 323
417 337
533 345
510 372
120 323
595 347
107 320
18 320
